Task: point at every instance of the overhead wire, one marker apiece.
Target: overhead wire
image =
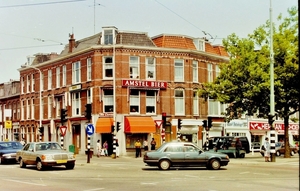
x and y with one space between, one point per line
46 3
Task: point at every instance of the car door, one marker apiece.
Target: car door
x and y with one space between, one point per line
175 154
193 156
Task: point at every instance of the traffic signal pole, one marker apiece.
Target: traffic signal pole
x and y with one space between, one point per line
88 116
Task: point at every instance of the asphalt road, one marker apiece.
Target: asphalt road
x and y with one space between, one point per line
129 173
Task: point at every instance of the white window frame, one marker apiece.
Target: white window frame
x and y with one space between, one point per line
50 107
64 75
151 101
28 83
42 82
49 79
32 83
42 107
195 103
150 68
134 67
23 109
76 103
89 96
89 69
108 66
199 44
58 77
134 101
179 102
57 106
28 109
178 70
108 36
209 73
32 109
195 71
218 71
215 108
108 100
22 85
76 72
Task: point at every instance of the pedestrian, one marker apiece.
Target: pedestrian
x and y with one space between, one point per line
153 144
238 147
137 148
98 148
105 147
267 150
22 142
117 148
145 144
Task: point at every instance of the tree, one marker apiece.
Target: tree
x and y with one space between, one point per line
244 82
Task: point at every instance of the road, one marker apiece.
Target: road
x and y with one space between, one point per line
128 173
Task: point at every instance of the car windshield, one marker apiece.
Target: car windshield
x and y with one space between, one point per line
10 145
48 146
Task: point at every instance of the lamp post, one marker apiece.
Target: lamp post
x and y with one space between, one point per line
40 97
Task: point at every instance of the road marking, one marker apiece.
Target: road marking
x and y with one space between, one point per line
25 182
94 189
148 183
244 172
192 176
261 173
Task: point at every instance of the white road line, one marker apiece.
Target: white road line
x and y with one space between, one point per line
148 183
25 182
261 173
192 176
244 172
94 189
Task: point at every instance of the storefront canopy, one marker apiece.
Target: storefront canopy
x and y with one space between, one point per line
139 125
103 125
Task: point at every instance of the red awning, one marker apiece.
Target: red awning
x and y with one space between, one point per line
139 125
103 125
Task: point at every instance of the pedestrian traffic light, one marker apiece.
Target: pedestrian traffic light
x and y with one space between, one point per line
271 119
179 125
204 125
41 130
118 126
112 128
88 111
63 115
209 122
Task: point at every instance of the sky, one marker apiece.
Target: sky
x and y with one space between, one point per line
28 27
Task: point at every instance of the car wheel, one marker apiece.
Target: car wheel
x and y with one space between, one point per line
242 155
22 164
278 153
39 165
292 153
215 164
164 164
70 166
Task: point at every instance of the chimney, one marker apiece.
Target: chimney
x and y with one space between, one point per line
71 42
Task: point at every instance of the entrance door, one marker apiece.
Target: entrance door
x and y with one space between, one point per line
76 138
109 138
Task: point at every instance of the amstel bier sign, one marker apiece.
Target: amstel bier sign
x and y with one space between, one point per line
144 84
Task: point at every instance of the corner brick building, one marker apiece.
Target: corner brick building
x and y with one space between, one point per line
127 77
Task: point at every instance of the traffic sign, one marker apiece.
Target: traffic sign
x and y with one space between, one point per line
158 122
63 130
90 129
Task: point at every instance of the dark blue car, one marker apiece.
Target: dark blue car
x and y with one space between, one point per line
8 151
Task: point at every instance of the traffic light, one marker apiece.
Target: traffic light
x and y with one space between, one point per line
271 119
179 125
209 122
41 130
204 125
112 128
164 118
88 111
63 115
118 126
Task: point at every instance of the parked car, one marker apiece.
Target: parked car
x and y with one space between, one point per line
255 146
184 154
45 154
8 151
279 149
226 145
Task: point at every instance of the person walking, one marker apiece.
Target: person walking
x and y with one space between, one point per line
153 144
117 148
137 148
105 147
238 147
267 150
145 144
98 148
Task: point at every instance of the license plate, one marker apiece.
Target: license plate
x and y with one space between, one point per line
61 161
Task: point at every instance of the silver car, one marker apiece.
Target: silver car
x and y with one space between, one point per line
45 154
184 154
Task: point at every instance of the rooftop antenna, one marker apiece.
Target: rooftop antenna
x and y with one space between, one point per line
95 14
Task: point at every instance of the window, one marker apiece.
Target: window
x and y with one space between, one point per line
150 102
209 73
32 109
28 84
108 100
150 68
179 102
57 106
49 79
108 67
195 103
28 110
42 112
134 67
89 97
215 107
195 71
76 104
89 69
108 36
134 101
217 70
199 44
58 77
76 73
23 110
22 85
49 107
42 81
178 73
32 83
64 77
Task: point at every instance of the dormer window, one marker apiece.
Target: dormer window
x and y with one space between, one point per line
200 44
108 35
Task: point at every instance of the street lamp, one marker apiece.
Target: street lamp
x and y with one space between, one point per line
40 96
